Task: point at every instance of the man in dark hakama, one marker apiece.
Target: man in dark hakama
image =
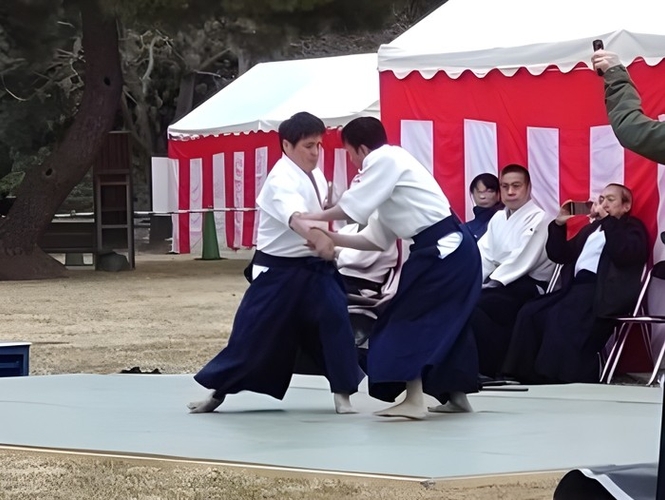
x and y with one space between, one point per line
421 342
296 300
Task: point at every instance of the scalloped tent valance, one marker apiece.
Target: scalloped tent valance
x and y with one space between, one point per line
506 35
336 89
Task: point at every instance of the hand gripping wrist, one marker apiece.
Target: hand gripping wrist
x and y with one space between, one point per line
294 214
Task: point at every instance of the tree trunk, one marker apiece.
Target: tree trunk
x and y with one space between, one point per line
45 188
186 94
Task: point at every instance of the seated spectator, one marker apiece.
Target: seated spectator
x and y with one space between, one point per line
515 267
557 337
484 190
365 271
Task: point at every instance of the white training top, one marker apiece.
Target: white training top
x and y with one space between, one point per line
590 255
514 246
368 265
401 196
287 190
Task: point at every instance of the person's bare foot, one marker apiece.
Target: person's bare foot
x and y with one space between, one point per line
206 406
343 404
458 403
405 409
412 407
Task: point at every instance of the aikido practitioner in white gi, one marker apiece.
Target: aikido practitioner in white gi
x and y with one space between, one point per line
515 266
296 299
421 342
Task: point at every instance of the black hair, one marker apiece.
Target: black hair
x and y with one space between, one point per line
514 168
489 180
300 126
364 131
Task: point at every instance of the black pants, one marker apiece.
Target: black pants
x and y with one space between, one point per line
494 317
557 337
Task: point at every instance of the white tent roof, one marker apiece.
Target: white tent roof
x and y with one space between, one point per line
336 89
481 35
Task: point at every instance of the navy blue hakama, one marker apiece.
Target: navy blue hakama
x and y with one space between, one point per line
424 333
298 304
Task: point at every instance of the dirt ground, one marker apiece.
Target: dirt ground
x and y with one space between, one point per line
172 313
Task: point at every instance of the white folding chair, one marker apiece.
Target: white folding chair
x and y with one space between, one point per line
648 312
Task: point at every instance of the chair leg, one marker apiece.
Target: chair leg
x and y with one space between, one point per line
611 355
656 366
646 339
621 342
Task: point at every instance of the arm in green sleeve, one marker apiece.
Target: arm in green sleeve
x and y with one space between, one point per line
635 131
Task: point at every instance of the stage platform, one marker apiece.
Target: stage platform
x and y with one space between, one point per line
548 428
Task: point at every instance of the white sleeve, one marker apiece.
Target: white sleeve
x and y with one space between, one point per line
370 188
281 199
527 254
378 233
485 248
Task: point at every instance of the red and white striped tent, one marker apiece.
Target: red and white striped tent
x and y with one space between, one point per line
479 84
220 153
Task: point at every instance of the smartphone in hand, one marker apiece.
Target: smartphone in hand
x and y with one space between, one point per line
598 45
579 207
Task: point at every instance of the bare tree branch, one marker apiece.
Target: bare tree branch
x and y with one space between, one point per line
129 121
213 59
10 92
208 73
145 79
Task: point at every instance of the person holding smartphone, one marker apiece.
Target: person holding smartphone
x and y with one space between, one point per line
557 337
635 131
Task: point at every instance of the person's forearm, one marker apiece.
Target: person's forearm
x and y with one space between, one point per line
356 241
634 130
297 224
331 214
559 249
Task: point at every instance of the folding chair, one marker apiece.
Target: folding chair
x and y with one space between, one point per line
554 280
649 311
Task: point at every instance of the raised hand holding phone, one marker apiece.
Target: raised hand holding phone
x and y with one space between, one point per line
598 45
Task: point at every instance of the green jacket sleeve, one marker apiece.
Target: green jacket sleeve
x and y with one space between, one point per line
633 128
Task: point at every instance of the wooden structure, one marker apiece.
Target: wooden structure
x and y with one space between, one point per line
112 227
114 202
70 237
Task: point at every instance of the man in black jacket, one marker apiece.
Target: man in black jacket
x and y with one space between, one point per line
557 337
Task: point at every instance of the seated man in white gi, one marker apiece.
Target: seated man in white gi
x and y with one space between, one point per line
515 267
296 301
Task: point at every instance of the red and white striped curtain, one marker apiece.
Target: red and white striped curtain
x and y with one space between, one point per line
554 124
227 172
